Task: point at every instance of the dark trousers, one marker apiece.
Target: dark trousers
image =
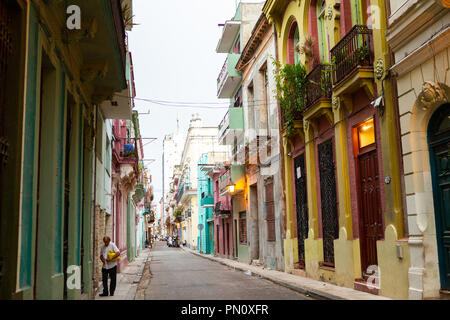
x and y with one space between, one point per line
112 273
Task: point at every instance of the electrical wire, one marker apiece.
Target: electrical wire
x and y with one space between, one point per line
204 105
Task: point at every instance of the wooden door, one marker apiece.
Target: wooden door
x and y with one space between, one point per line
371 224
270 207
440 169
301 207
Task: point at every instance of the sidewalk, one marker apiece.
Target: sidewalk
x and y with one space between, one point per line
128 279
303 285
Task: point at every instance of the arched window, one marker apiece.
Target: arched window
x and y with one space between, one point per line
322 31
293 56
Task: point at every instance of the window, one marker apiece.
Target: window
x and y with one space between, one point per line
359 12
366 134
251 106
322 31
270 207
238 98
108 155
265 108
237 46
293 39
99 138
242 228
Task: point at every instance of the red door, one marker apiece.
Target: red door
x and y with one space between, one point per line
371 224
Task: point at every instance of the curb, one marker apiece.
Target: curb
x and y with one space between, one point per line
304 290
138 277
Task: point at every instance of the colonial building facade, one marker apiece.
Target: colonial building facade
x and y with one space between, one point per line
55 84
419 37
261 133
345 222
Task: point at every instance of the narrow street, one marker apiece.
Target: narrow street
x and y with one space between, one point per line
298 150
179 275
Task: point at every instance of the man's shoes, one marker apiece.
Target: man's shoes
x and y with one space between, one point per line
103 294
111 294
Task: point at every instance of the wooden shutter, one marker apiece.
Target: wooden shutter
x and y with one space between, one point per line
270 207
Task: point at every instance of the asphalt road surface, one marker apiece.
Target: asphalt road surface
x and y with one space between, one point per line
180 275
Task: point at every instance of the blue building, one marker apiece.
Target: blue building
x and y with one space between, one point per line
205 207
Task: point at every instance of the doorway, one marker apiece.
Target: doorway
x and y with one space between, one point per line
330 225
69 127
301 206
439 146
370 215
255 221
46 231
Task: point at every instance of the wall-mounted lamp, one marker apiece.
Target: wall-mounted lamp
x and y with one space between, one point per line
231 188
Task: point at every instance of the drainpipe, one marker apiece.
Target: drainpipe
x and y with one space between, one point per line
283 181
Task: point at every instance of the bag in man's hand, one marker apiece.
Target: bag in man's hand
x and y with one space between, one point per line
111 254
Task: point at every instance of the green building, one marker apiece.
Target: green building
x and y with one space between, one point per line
53 80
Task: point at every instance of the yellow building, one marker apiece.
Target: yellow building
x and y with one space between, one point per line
344 208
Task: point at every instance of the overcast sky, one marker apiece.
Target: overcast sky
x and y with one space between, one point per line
173 48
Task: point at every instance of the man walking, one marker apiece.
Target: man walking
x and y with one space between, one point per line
109 254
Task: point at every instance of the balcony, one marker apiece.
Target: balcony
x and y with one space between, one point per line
319 85
297 116
207 201
185 191
119 107
231 125
229 33
125 150
139 193
229 78
353 60
222 209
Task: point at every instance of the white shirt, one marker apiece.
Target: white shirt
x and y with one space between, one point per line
104 252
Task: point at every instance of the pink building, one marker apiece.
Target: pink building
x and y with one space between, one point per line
223 215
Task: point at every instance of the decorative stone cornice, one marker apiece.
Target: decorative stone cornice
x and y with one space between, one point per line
433 94
255 40
274 11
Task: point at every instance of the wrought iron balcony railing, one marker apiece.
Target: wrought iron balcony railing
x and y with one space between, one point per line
319 84
353 51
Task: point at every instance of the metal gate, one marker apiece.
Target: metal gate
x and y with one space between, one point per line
301 207
328 200
6 45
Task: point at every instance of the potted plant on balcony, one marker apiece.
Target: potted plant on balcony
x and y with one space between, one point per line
363 54
291 84
151 217
307 48
177 215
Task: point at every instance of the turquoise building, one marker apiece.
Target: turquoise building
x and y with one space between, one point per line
205 208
